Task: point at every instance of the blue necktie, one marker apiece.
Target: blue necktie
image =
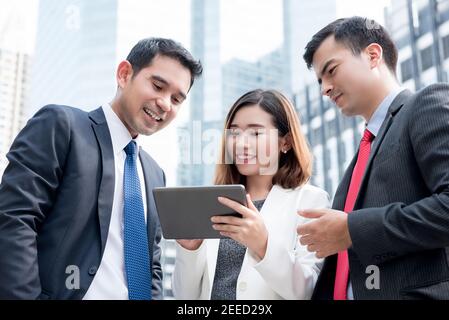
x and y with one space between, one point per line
137 258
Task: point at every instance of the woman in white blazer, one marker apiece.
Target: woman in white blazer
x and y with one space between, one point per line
264 149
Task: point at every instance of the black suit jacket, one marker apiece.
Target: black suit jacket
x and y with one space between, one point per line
400 221
55 205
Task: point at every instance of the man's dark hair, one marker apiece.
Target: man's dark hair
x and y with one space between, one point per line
356 33
143 53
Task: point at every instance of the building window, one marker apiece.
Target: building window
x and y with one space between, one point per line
446 47
425 22
406 70
426 58
443 10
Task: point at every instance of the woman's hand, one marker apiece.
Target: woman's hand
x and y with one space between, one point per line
190 244
249 230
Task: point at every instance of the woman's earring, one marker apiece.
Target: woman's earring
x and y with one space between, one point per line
284 151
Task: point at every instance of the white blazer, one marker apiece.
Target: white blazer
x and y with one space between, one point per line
288 270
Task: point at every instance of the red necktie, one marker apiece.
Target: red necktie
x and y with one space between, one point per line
342 274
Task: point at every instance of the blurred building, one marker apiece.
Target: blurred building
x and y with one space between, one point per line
75 54
281 69
168 264
205 43
79 44
206 103
14 83
332 136
302 19
420 29
240 76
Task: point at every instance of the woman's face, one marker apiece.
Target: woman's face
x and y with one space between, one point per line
253 142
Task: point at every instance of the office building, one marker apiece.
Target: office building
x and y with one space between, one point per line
14 84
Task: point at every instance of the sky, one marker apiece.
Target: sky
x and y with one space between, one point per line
370 9
253 28
18 21
257 20
249 30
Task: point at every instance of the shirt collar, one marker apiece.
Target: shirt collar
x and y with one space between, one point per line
120 135
379 115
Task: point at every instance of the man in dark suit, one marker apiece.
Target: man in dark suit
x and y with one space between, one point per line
387 234
77 215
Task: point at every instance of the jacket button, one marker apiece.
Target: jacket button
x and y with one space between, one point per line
242 286
93 270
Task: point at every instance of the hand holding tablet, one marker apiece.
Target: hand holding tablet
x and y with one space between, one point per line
185 212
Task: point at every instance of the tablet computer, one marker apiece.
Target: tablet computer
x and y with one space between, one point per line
185 212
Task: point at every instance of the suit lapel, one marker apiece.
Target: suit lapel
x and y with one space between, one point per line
107 179
151 209
342 190
396 105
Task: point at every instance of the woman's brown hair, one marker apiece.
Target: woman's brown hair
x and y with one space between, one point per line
295 166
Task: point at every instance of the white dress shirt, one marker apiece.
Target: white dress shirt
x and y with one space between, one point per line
373 126
110 281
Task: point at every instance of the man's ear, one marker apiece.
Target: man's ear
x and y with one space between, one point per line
375 54
124 73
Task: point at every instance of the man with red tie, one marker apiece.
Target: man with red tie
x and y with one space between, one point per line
388 232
